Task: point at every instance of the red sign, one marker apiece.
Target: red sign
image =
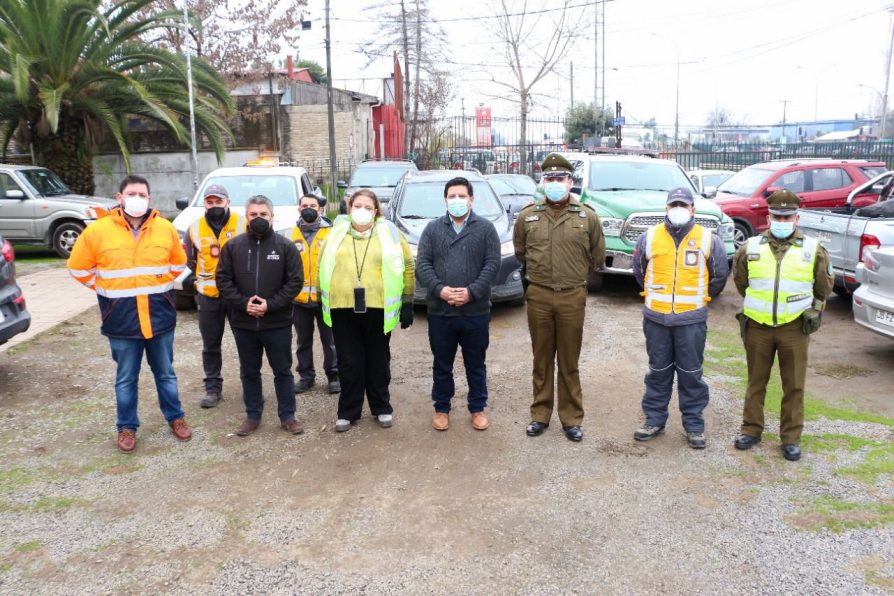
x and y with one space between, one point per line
482 117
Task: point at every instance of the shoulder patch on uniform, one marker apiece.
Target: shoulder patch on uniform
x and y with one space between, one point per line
582 214
830 268
532 218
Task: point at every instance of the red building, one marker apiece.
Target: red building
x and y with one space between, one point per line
389 125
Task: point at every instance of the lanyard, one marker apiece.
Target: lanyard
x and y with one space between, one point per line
359 267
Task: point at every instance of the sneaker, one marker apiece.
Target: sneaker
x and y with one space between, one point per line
127 440
304 385
334 385
647 432
180 429
210 400
342 425
385 420
696 440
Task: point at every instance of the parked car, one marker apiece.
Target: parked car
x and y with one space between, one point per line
379 176
515 191
707 181
847 232
14 317
36 207
874 299
419 198
284 185
629 192
821 184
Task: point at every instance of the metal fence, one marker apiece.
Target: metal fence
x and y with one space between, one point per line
736 157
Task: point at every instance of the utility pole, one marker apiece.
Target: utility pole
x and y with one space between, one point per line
602 3
785 103
192 101
596 56
884 118
333 173
619 125
572 85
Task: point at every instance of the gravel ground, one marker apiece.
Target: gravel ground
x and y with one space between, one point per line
410 511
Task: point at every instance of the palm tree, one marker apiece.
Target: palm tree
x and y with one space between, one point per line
72 71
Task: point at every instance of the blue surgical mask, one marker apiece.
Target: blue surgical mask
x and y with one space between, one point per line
555 191
457 207
782 229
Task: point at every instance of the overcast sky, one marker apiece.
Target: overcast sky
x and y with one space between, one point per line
745 57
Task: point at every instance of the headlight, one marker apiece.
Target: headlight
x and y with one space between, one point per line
506 249
611 226
726 231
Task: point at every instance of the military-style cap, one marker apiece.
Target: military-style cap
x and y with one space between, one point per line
216 190
680 195
556 165
783 202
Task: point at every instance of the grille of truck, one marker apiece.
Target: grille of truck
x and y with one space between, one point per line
637 224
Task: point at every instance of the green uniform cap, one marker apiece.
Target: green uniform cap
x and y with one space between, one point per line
783 202
556 164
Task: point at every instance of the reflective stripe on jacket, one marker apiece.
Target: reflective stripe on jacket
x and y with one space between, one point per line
779 291
203 239
133 278
392 268
676 278
310 258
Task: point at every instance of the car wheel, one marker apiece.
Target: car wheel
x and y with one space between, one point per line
184 301
64 238
741 234
595 281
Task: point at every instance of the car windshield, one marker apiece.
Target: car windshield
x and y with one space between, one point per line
45 183
425 200
714 179
515 185
369 177
746 182
282 190
630 175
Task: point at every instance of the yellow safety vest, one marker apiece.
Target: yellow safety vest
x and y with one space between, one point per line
676 279
779 291
208 247
392 268
310 258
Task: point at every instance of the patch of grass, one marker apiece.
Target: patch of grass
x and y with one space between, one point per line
4 567
118 463
29 547
827 442
54 504
837 515
879 461
15 478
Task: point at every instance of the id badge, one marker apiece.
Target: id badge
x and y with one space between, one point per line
690 258
215 250
360 300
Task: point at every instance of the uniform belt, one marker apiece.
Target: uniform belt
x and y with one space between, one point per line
557 289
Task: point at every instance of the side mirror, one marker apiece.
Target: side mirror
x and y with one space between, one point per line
182 203
770 190
341 184
710 192
15 194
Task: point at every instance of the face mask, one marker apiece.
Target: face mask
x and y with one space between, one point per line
361 216
679 216
216 214
782 229
457 207
136 206
309 214
259 226
555 191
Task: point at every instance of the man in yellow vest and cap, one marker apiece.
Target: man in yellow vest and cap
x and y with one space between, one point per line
680 265
309 235
205 238
785 278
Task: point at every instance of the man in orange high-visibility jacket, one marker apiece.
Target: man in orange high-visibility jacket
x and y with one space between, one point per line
131 258
680 265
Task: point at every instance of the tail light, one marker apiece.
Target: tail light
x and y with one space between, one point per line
868 242
8 253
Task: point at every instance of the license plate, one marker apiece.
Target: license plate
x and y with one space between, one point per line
823 236
885 318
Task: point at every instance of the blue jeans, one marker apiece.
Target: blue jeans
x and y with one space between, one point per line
445 335
677 350
128 354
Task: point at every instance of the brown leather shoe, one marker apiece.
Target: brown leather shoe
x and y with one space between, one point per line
181 429
247 427
440 421
480 421
127 440
292 426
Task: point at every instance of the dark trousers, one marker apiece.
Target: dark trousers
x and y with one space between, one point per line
675 351
762 344
303 317
252 345
445 335
364 361
212 321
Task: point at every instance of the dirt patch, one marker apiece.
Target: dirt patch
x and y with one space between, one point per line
842 371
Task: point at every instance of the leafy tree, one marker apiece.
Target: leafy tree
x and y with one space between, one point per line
74 70
586 119
317 72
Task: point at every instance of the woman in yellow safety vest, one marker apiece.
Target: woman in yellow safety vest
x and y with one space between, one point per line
366 288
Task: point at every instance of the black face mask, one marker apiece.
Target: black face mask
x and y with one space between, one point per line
309 214
259 226
216 214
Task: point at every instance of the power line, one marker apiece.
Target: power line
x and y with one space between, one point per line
475 18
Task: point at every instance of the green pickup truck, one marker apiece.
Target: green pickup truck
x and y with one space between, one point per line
629 193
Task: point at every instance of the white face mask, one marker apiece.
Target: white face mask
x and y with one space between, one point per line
679 216
361 216
136 206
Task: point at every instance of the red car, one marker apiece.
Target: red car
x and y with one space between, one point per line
821 184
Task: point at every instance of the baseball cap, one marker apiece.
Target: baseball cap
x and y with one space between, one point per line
216 190
680 195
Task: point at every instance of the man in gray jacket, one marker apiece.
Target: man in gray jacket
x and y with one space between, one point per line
457 263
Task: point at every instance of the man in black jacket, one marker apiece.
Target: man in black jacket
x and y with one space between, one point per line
457 263
258 276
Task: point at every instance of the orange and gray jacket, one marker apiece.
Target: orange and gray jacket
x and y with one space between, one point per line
133 275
